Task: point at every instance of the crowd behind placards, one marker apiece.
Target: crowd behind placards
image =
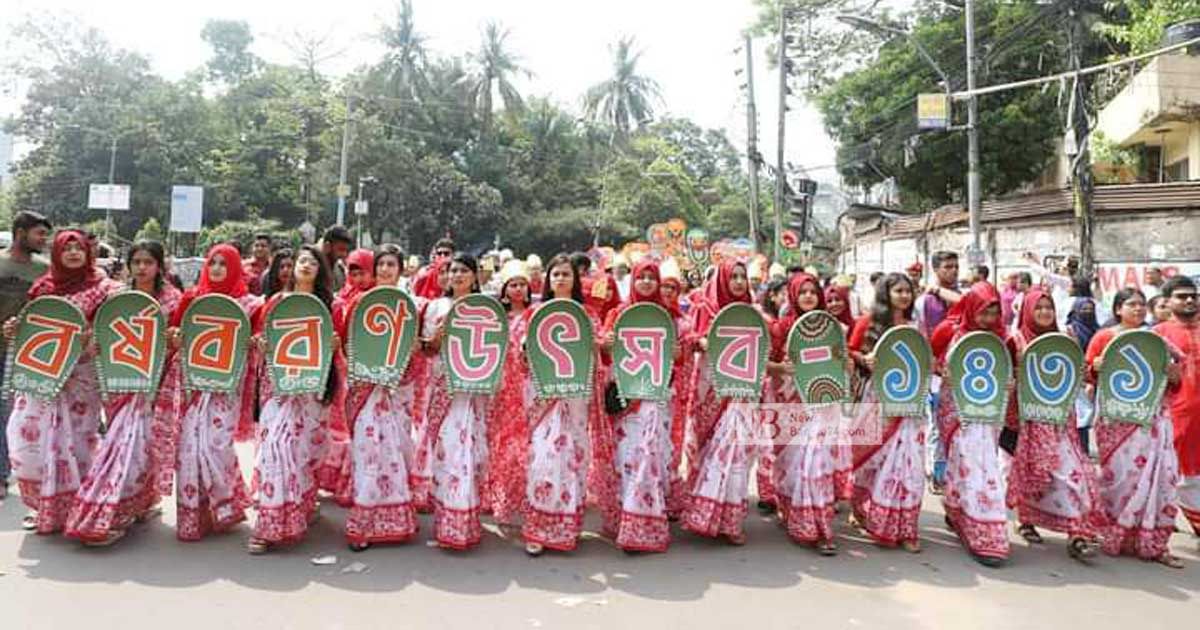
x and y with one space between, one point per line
527 392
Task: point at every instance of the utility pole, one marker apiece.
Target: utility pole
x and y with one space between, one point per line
112 171
1079 124
973 184
343 190
752 144
780 174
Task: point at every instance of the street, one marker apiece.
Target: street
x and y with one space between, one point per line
151 580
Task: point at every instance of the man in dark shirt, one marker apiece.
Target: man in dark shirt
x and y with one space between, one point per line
19 267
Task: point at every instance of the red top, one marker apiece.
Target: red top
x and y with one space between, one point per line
1185 401
234 284
60 280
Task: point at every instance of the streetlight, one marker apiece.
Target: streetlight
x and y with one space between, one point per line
973 182
112 161
358 214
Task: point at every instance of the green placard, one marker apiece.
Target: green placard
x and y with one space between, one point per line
1050 374
738 344
216 339
299 333
643 352
46 347
380 336
1133 377
698 245
131 335
980 371
817 349
903 366
559 348
475 344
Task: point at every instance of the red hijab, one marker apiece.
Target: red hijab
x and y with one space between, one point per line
234 284
672 305
364 259
964 317
844 293
641 267
1028 327
60 280
717 295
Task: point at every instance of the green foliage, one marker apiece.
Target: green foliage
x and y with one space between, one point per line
243 233
626 100
1142 29
151 231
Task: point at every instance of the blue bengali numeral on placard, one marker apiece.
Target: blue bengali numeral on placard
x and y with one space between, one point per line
1132 386
902 384
979 381
1055 364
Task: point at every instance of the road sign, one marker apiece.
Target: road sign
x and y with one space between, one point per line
976 256
933 111
806 187
360 208
343 190
108 197
187 208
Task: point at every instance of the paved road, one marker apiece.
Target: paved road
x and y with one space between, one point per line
150 580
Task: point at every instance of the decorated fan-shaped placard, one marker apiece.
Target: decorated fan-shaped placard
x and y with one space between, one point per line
475 344
46 347
299 334
980 370
817 349
560 350
903 367
216 339
381 333
738 344
131 335
1132 377
643 352
1049 376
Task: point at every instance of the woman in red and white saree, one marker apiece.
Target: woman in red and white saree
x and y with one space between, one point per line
682 390
889 477
292 429
376 483
803 475
457 423
51 442
1052 483
723 433
333 475
975 483
837 302
122 485
432 287
508 425
1139 468
643 442
210 492
559 448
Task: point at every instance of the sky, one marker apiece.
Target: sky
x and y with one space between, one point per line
689 47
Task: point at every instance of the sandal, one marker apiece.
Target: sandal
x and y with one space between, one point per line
534 549
358 547
29 523
737 540
911 546
257 546
990 562
826 548
1081 549
766 508
1166 559
109 539
1030 534
149 514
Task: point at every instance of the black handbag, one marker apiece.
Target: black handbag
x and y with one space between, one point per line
1008 440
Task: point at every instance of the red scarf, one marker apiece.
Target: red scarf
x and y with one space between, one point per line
672 305
964 318
717 296
427 285
1029 329
364 260
843 293
60 280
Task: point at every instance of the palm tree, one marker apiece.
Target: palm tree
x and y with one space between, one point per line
494 69
404 62
627 99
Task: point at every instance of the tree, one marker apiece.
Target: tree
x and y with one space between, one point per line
1141 30
232 61
495 66
625 100
403 63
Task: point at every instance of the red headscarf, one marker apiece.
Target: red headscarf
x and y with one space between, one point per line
717 295
1029 328
641 267
794 286
964 317
364 259
234 284
62 281
672 305
844 294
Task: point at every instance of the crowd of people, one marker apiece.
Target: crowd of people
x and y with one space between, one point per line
90 468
